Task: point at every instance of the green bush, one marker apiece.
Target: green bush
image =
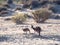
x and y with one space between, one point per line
41 15
19 18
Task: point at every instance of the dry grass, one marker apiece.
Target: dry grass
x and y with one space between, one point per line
41 15
19 18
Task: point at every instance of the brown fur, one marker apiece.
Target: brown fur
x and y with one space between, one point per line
36 29
26 30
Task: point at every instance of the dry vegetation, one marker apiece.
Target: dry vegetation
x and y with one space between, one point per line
19 18
41 15
13 34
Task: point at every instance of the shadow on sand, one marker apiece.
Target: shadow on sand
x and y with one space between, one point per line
3 38
31 36
49 37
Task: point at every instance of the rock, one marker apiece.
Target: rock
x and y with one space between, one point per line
57 17
10 1
3 9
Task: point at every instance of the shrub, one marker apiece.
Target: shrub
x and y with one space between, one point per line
41 15
19 18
